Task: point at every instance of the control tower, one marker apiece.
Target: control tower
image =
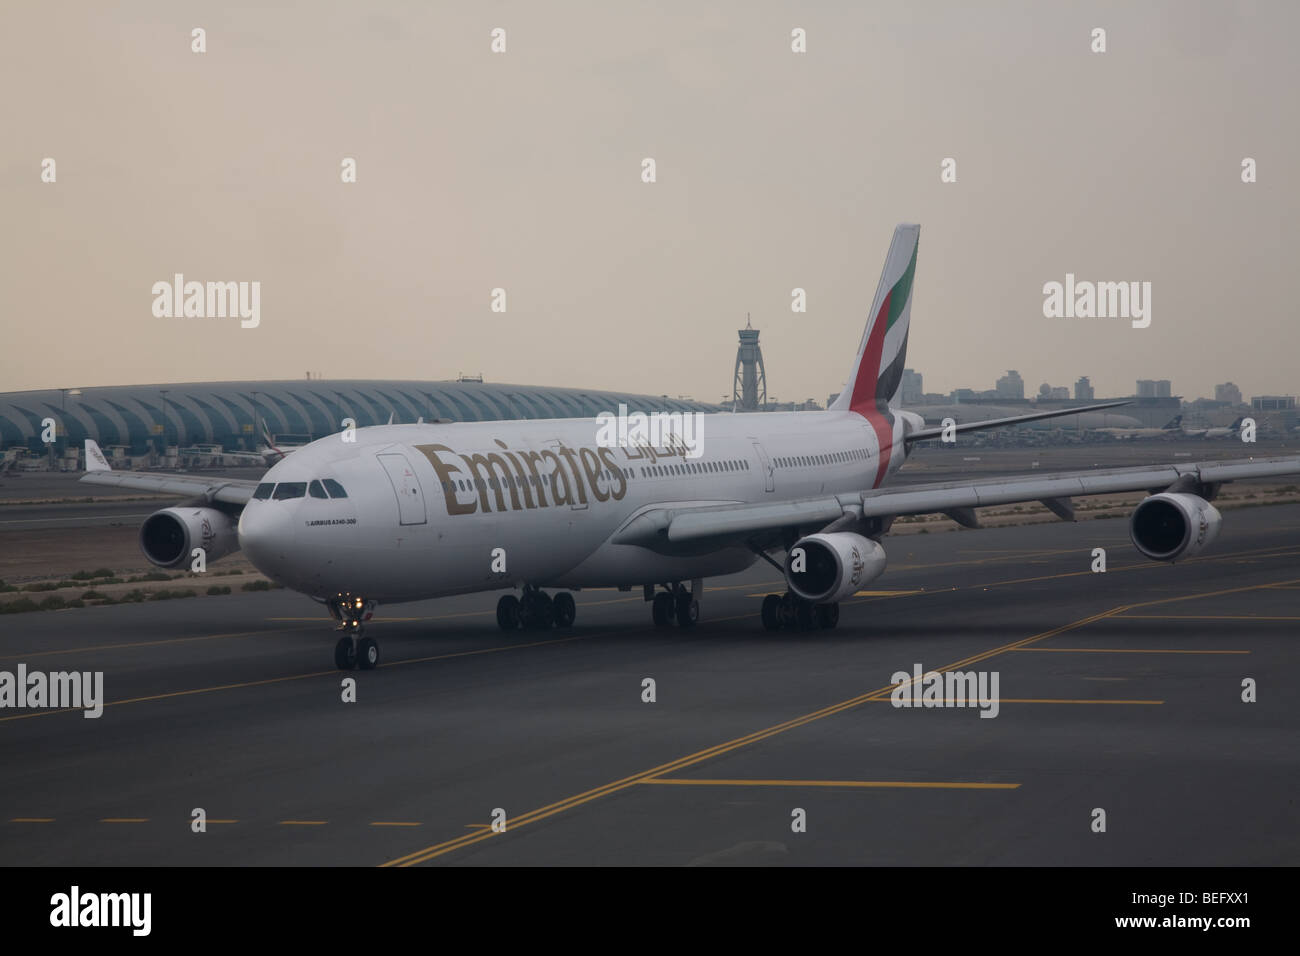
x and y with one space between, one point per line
749 390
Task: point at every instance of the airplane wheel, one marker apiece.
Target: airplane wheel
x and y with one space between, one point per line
789 616
508 613
803 613
565 609
345 654
543 612
771 613
662 609
367 653
827 615
688 610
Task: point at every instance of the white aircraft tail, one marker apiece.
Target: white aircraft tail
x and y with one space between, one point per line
876 378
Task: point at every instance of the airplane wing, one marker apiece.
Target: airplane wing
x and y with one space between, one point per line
234 491
717 524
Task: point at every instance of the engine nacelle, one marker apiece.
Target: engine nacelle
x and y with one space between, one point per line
169 537
1169 526
833 565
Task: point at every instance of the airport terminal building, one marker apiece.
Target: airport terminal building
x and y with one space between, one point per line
144 419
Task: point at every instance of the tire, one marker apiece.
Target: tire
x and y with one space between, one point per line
688 610
543 612
565 609
662 610
508 617
771 613
367 654
827 615
789 617
803 613
345 654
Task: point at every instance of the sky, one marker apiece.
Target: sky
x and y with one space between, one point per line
523 171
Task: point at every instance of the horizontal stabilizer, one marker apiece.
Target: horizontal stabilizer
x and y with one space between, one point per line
938 431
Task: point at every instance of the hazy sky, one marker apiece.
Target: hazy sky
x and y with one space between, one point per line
522 170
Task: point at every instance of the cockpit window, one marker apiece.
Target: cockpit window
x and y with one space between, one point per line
316 490
290 489
334 488
264 490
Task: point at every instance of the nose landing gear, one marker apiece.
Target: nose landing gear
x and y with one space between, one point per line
353 650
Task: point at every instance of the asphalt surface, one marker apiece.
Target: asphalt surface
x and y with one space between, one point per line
1119 691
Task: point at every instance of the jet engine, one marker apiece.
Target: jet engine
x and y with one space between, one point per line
1170 526
825 568
169 537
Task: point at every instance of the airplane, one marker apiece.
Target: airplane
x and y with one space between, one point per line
1170 429
393 513
1227 431
269 452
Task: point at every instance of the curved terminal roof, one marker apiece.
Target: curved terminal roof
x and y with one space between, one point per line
226 413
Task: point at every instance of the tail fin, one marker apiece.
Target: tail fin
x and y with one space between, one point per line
1175 422
95 460
876 377
1237 424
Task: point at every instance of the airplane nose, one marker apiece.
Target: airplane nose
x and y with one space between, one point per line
265 537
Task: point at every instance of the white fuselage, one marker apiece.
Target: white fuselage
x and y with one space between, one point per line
433 510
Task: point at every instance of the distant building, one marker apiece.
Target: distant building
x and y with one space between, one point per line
1010 385
1273 403
234 414
1228 393
1163 388
1146 388
912 387
1083 390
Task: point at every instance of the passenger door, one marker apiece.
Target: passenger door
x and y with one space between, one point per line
410 497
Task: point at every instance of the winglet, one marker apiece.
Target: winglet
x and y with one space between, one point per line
95 460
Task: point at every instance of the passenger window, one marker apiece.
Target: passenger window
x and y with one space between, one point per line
290 489
316 490
264 490
334 488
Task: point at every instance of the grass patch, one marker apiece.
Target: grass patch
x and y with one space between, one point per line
162 594
91 575
257 586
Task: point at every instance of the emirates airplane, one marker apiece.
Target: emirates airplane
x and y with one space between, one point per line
396 513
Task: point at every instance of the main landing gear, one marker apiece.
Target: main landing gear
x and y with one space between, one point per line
535 610
675 604
353 650
790 610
